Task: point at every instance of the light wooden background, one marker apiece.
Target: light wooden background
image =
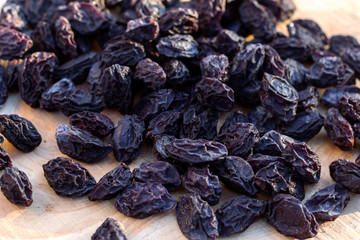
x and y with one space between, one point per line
54 217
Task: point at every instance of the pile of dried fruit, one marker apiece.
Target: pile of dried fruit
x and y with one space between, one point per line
190 62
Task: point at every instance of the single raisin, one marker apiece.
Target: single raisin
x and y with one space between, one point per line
215 66
143 30
272 143
332 95
175 46
350 109
13 44
65 37
109 229
150 73
346 173
166 123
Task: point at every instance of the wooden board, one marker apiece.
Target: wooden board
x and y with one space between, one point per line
54 217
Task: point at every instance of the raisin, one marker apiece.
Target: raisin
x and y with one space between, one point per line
346 173
272 143
20 132
143 30
5 160
290 217
229 43
339 130
12 73
36 76
80 144
97 124
153 8
109 229
3 87
112 183
195 151
127 138
176 72
259 161
94 78
179 21
351 56
234 117
328 203
274 6
210 13
308 98
339 43
295 73
350 109
61 86
166 123
195 218
318 54
65 37
41 9
141 200
273 63
14 16
16 187
44 38
215 66
263 119
175 46
181 101
332 95
291 48
150 73
237 214
13 43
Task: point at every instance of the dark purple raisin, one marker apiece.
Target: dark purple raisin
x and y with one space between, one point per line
229 43
210 13
263 119
308 98
332 95
177 73
215 66
295 74
346 173
292 48
59 87
14 16
176 46
272 143
339 43
350 109
351 56
234 117
109 229
150 73
13 73
166 123
259 161
65 37
179 21
13 44
143 30
153 8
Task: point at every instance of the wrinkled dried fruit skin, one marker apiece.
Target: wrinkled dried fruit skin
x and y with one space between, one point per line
290 217
176 72
166 123
44 38
309 32
195 151
20 132
36 75
153 8
95 123
308 98
236 174
199 180
150 73
127 138
304 161
112 183
339 43
278 178
16 187
12 73
160 172
350 109
179 21
143 30
332 95
239 139
5 160
328 203
41 9
195 218
263 119
94 78
68 178
330 71
181 101
346 173
214 94
215 66
234 117
210 13
318 54
291 48
237 214
13 44
116 88
76 69
295 74
351 56
279 97
59 87
259 161
3 87
80 145
109 229
65 37
141 200
272 143
339 130
229 43
177 45
14 16
273 63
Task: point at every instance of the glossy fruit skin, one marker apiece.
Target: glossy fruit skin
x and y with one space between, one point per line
177 45
332 95
295 73
13 73
339 43
177 73
13 43
141 200
109 229
234 117
59 87
153 8
291 48
210 13
166 123
229 43
272 143
350 109
308 99
14 16
215 66
346 173
16 187
179 21
351 56
263 119
65 37
143 30
68 178
259 161
150 73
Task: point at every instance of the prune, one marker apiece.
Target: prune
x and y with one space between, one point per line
339 130
339 43
215 66
235 173
239 139
13 44
328 203
68 178
95 123
317 54
175 46
351 56
272 143
59 87
166 123
179 21
5 160
210 13
85 18
263 119
76 69
12 73
308 98
36 75
127 138
304 161
234 117
304 127
154 103
143 30
141 200
109 229
330 71
16 187
20 132
116 88
176 72
350 109
309 32
237 214
160 172
332 95
13 16
292 48
295 73
112 183
278 178
263 26
65 37
346 173
228 43
195 151
199 123
290 217
153 8
279 97
195 218
123 52
150 73
259 161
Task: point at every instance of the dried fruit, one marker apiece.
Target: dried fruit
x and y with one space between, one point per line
332 95
259 161
176 72
175 46
295 74
153 8
352 58
65 37
143 30
339 43
150 73
308 98
263 119
109 229
234 117
350 109
13 44
228 43
215 66
179 21
59 87
43 38
346 173
14 16
166 123
210 13
291 48
272 143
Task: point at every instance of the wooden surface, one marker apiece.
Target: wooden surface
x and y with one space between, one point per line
54 217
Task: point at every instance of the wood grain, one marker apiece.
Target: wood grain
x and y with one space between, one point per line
54 217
